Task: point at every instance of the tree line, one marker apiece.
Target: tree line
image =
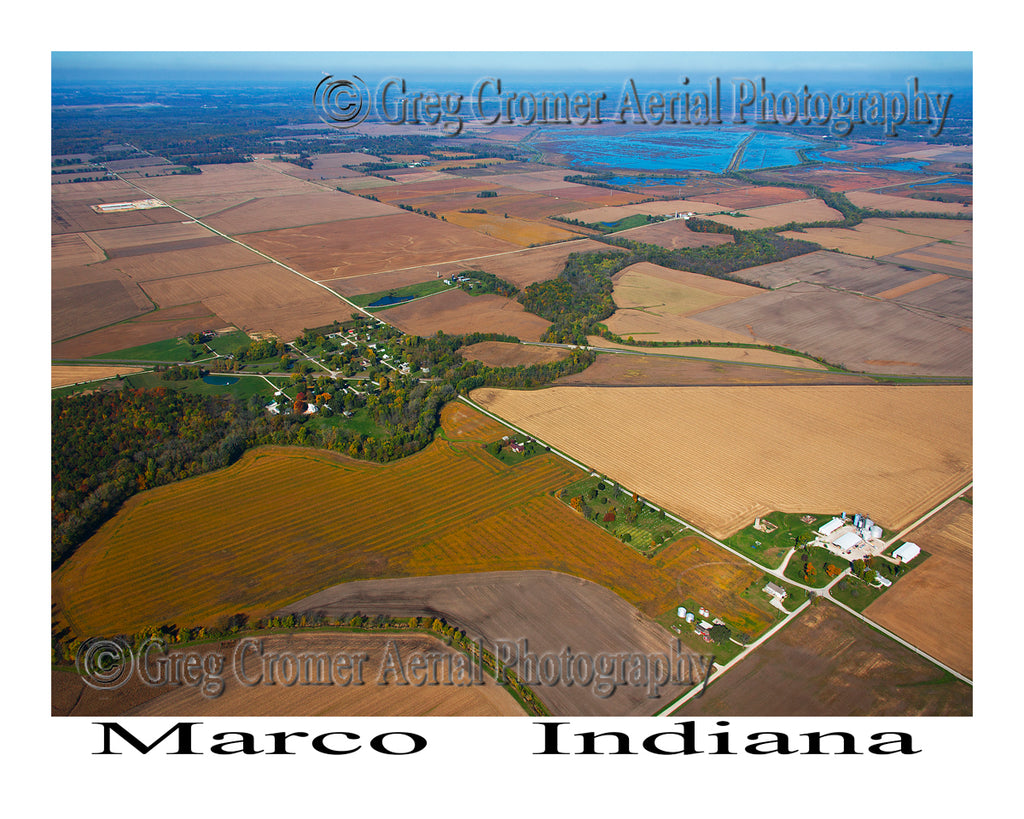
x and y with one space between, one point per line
109 445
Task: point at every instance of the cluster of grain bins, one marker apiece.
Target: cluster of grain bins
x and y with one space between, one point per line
843 537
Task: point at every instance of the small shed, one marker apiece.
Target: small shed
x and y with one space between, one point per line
775 590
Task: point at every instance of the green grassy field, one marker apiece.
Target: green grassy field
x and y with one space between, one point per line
415 291
858 595
172 349
361 422
246 386
229 343
770 549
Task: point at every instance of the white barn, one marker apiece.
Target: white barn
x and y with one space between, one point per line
907 552
827 529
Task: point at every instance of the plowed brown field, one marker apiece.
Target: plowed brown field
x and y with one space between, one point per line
828 663
720 456
356 246
455 311
931 606
520 267
71 697
804 210
504 354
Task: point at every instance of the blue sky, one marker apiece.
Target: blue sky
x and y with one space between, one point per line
814 66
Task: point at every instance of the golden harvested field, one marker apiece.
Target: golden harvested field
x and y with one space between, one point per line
646 326
455 311
910 287
63 375
932 606
882 201
363 183
232 541
505 354
71 697
740 355
663 291
531 205
73 249
753 197
356 246
716 579
804 210
720 456
881 237
828 663
273 212
517 231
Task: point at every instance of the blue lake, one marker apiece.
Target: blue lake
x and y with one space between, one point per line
663 150
944 182
219 380
907 165
387 301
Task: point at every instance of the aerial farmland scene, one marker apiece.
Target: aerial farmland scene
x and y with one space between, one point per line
383 387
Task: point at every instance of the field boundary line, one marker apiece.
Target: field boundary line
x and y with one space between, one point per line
511 426
928 514
779 573
252 249
901 641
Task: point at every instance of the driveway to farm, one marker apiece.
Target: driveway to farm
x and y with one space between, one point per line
827 591
778 573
